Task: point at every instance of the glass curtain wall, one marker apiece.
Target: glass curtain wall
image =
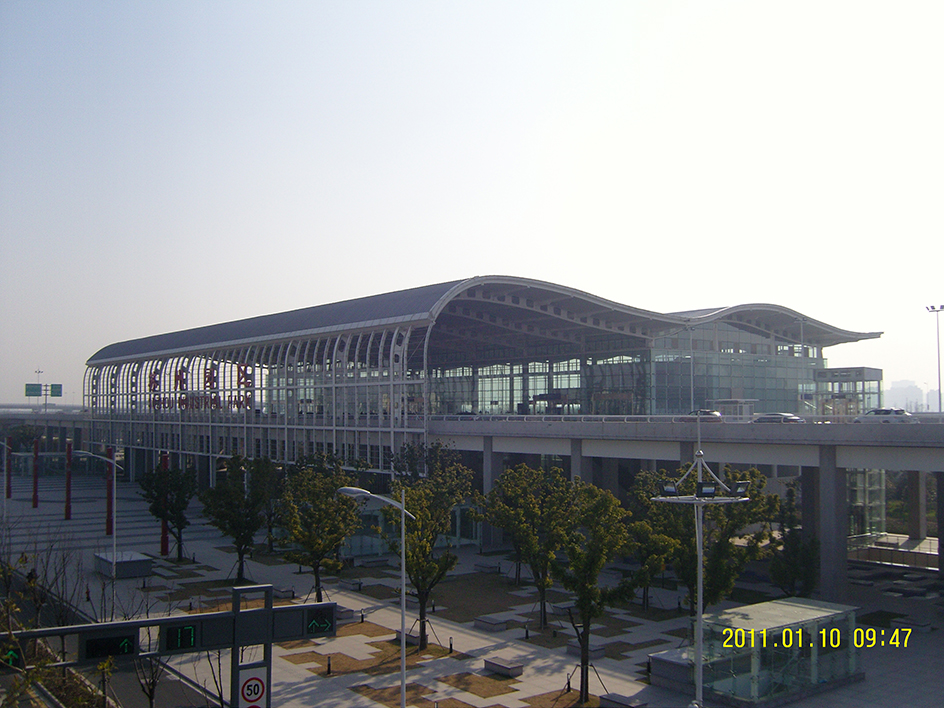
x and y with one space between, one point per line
693 367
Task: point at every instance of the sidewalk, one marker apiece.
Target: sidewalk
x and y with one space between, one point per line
908 677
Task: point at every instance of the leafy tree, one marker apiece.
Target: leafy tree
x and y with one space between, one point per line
598 536
22 437
653 551
431 499
414 460
269 480
168 493
316 518
795 564
234 506
535 507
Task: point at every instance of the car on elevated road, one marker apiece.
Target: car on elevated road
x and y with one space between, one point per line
778 418
886 415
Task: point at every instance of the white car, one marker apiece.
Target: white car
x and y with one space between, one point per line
886 415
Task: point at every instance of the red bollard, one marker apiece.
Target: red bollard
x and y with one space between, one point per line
8 456
36 473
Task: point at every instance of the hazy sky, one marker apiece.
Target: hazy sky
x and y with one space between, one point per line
165 165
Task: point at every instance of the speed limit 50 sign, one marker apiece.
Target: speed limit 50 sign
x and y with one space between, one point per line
252 688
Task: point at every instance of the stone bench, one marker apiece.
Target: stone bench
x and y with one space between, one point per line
351 584
128 564
411 638
381 562
491 623
283 593
343 614
615 700
911 623
504 666
597 651
559 609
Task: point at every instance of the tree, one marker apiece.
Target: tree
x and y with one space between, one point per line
168 492
653 551
597 537
316 518
534 506
794 566
234 506
431 499
270 481
415 460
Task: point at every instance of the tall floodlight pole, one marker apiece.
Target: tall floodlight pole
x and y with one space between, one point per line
936 309
358 493
706 492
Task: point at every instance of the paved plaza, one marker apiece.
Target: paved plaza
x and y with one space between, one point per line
365 656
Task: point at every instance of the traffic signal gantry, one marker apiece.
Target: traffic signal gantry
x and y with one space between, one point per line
205 631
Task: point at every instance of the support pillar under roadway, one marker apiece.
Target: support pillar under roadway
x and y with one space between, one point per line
832 522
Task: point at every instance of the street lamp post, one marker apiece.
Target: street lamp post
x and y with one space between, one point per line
936 309
706 492
111 522
358 493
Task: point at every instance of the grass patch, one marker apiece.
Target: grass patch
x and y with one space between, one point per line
556 699
386 659
367 629
379 592
188 591
748 596
653 614
414 696
483 594
549 639
481 686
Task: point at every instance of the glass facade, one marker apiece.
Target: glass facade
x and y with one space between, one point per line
866 496
677 374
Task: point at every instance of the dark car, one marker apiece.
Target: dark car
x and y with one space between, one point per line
778 418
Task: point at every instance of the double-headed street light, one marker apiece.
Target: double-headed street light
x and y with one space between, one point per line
112 517
710 491
358 493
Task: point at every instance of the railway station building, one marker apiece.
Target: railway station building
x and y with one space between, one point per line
360 378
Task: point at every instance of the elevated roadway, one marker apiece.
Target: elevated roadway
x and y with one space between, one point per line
819 453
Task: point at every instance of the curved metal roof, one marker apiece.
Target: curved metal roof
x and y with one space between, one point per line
373 311
495 313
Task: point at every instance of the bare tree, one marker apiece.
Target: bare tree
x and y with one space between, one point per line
10 561
216 673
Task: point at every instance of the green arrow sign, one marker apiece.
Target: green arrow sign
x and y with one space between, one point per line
319 624
11 657
320 621
115 645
